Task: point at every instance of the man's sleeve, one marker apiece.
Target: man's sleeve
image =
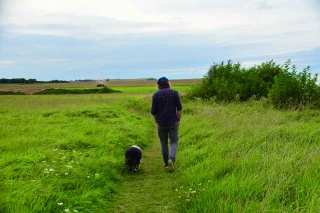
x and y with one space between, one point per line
178 102
153 107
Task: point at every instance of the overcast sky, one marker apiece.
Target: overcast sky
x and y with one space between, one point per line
99 39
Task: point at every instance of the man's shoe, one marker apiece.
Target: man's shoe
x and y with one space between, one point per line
170 165
165 165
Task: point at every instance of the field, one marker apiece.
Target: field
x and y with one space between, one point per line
134 85
64 153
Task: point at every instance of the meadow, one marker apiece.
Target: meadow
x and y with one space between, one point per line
64 153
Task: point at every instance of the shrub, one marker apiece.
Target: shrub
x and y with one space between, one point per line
292 89
283 85
228 82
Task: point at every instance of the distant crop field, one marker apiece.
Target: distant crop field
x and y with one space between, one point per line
134 85
150 89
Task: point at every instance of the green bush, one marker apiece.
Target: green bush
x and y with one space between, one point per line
295 90
283 85
228 82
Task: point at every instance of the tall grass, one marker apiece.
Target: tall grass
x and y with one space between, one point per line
65 153
248 157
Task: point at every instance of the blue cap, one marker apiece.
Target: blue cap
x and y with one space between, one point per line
163 79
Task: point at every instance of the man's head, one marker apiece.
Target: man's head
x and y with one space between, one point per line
163 81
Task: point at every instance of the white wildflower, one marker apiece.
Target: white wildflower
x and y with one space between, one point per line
69 166
60 204
66 173
51 170
66 210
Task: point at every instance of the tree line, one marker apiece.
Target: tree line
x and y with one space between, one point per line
27 81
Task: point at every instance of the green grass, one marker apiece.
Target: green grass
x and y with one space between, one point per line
238 157
249 158
65 149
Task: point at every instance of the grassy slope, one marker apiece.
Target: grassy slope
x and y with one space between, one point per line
241 157
232 158
249 158
65 150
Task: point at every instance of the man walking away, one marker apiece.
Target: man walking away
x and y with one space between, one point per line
167 110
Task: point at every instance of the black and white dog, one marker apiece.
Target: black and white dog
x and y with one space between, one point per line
133 156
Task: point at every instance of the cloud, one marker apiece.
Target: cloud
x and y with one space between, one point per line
180 38
264 5
7 62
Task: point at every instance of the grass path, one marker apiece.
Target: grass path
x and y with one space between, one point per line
151 189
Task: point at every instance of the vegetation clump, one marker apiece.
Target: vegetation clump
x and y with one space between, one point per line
11 93
53 91
282 85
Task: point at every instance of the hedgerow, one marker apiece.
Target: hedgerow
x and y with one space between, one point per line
75 91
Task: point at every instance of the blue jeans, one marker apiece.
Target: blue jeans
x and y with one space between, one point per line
165 133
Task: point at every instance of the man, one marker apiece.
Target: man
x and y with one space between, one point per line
167 110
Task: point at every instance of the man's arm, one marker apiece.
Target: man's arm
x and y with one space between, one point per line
179 114
154 111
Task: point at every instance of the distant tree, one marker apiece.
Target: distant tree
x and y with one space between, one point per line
31 81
